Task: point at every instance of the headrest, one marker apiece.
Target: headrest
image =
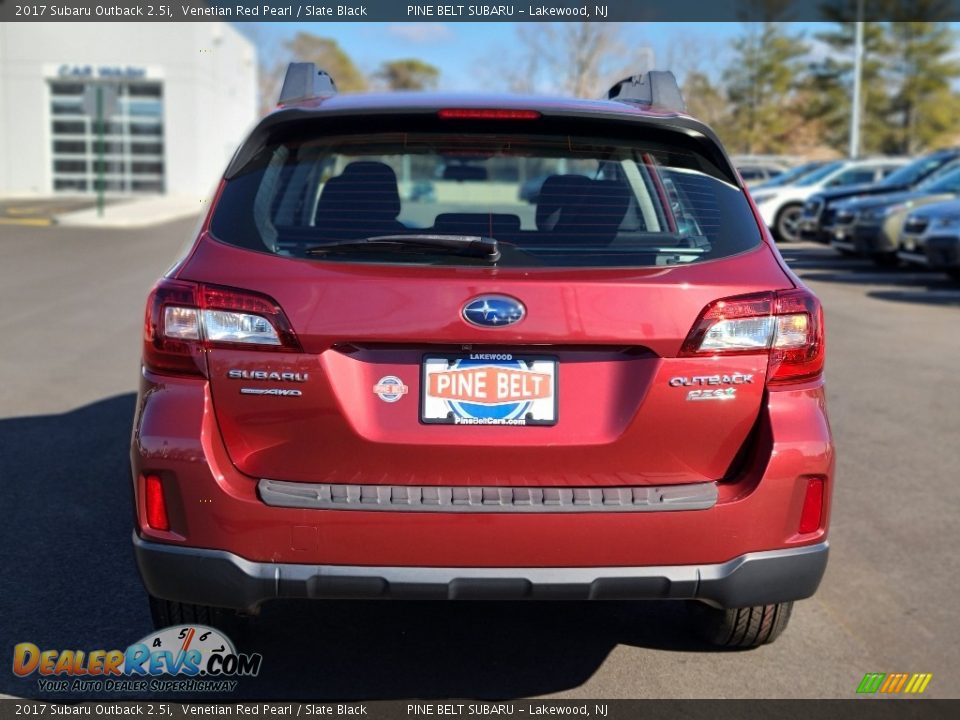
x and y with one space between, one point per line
597 216
366 186
559 192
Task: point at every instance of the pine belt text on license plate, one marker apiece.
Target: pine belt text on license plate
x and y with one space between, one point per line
489 389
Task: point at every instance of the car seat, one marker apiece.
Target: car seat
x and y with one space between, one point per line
362 201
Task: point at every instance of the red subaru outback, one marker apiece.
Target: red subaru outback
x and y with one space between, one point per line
497 347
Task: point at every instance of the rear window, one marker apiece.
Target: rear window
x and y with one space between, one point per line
556 200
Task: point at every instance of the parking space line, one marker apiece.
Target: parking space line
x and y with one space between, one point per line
37 222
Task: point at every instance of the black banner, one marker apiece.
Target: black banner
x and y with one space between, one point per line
546 10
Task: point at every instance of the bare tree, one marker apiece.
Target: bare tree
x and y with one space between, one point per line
580 59
586 52
521 73
691 54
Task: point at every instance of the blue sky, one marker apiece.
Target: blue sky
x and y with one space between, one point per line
471 54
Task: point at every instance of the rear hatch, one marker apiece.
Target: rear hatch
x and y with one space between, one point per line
484 303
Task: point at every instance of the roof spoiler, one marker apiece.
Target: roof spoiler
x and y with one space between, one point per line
304 81
656 88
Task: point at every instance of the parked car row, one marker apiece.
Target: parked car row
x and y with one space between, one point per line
759 169
781 204
911 216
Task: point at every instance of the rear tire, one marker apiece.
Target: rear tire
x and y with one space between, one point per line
165 613
787 224
740 628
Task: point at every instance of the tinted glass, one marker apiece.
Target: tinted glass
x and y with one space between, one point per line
819 174
949 183
790 176
857 176
548 200
912 173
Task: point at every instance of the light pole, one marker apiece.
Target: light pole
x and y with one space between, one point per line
100 104
857 84
101 152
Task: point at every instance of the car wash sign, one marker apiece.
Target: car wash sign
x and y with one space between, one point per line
101 72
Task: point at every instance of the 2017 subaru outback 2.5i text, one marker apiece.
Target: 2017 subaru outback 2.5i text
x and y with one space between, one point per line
611 388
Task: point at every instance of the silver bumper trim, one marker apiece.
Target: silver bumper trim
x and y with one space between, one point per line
459 499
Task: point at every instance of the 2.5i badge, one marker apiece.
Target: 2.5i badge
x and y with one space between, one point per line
712 387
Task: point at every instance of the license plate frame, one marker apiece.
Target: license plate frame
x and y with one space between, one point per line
539 409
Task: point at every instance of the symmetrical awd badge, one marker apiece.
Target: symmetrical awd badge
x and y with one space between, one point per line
273 376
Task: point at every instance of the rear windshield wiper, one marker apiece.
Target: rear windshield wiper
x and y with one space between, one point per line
469 245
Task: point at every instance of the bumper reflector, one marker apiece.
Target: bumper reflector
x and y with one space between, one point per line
812 514
156 505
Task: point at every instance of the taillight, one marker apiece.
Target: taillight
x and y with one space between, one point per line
184 319
169 345
798 347
238 317
787 324
155 504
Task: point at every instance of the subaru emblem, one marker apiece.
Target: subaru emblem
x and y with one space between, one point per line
493 311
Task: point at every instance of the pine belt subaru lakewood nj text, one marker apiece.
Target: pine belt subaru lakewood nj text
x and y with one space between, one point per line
483 347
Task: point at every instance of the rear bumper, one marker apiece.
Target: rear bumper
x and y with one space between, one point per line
868 240
913 258
222 579
212 505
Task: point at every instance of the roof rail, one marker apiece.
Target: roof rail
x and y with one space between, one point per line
304 82
657 88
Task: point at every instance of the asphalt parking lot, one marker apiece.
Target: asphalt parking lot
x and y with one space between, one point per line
72 302
41 212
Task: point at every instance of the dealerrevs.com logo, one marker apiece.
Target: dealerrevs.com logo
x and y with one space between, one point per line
182 658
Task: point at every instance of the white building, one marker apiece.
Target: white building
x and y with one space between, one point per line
179 97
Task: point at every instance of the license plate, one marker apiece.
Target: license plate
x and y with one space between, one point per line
488 389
